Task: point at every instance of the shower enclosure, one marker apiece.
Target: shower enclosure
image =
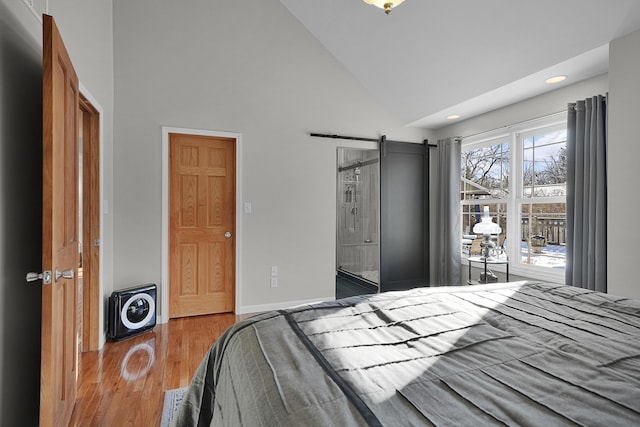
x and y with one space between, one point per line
358 250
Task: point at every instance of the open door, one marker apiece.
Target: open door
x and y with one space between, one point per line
59 353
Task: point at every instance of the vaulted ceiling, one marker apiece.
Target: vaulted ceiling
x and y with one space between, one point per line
431 58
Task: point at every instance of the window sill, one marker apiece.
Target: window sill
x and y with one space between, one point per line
545 274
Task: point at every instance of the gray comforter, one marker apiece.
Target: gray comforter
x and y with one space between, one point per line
525 354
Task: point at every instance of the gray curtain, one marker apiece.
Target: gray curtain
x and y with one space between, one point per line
587 194
447 222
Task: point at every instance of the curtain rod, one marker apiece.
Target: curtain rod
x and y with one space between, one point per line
357 138
514 124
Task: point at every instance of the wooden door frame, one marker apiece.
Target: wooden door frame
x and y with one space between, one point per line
93 309
163 316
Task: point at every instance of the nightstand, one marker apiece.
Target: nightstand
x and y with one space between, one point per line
486 263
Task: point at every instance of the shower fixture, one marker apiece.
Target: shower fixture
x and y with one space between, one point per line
350 194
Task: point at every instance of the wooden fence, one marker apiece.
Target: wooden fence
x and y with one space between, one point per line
553 229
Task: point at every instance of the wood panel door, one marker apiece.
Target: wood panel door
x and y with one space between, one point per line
201 224
59 352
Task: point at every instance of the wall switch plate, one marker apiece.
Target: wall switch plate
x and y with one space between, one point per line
247 207
274 270
274 282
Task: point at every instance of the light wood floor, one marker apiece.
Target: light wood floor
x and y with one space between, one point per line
124 383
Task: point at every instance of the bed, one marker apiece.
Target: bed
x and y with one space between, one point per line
521 353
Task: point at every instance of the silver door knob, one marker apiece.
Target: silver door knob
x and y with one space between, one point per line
67 274
45 276
227 234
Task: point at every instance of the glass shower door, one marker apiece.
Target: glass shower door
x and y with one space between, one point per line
357 216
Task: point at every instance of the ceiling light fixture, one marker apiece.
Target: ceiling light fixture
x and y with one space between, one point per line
387 5
555 79
453 116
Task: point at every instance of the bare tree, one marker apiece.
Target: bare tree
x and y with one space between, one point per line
481 166
555 170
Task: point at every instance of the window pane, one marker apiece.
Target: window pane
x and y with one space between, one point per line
485 172
471 215
543 234
544 169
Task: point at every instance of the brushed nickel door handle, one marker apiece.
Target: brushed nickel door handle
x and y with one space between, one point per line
67 274
45 276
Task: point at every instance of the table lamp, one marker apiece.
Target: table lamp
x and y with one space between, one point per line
487 227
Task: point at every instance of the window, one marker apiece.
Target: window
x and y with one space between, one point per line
521 176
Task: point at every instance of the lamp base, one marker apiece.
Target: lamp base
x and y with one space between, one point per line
486 247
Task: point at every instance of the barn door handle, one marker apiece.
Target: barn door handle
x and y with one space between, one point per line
67 274
227 234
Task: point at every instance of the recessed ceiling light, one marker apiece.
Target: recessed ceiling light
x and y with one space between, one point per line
555 79
453 116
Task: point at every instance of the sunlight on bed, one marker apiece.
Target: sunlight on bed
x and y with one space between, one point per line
402 339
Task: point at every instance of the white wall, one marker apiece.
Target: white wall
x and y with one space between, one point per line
247 67
623 157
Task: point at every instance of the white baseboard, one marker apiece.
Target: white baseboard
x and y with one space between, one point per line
248 309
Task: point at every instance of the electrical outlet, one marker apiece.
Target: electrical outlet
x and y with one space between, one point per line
274 282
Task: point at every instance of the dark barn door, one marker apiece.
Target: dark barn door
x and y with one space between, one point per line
404 215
